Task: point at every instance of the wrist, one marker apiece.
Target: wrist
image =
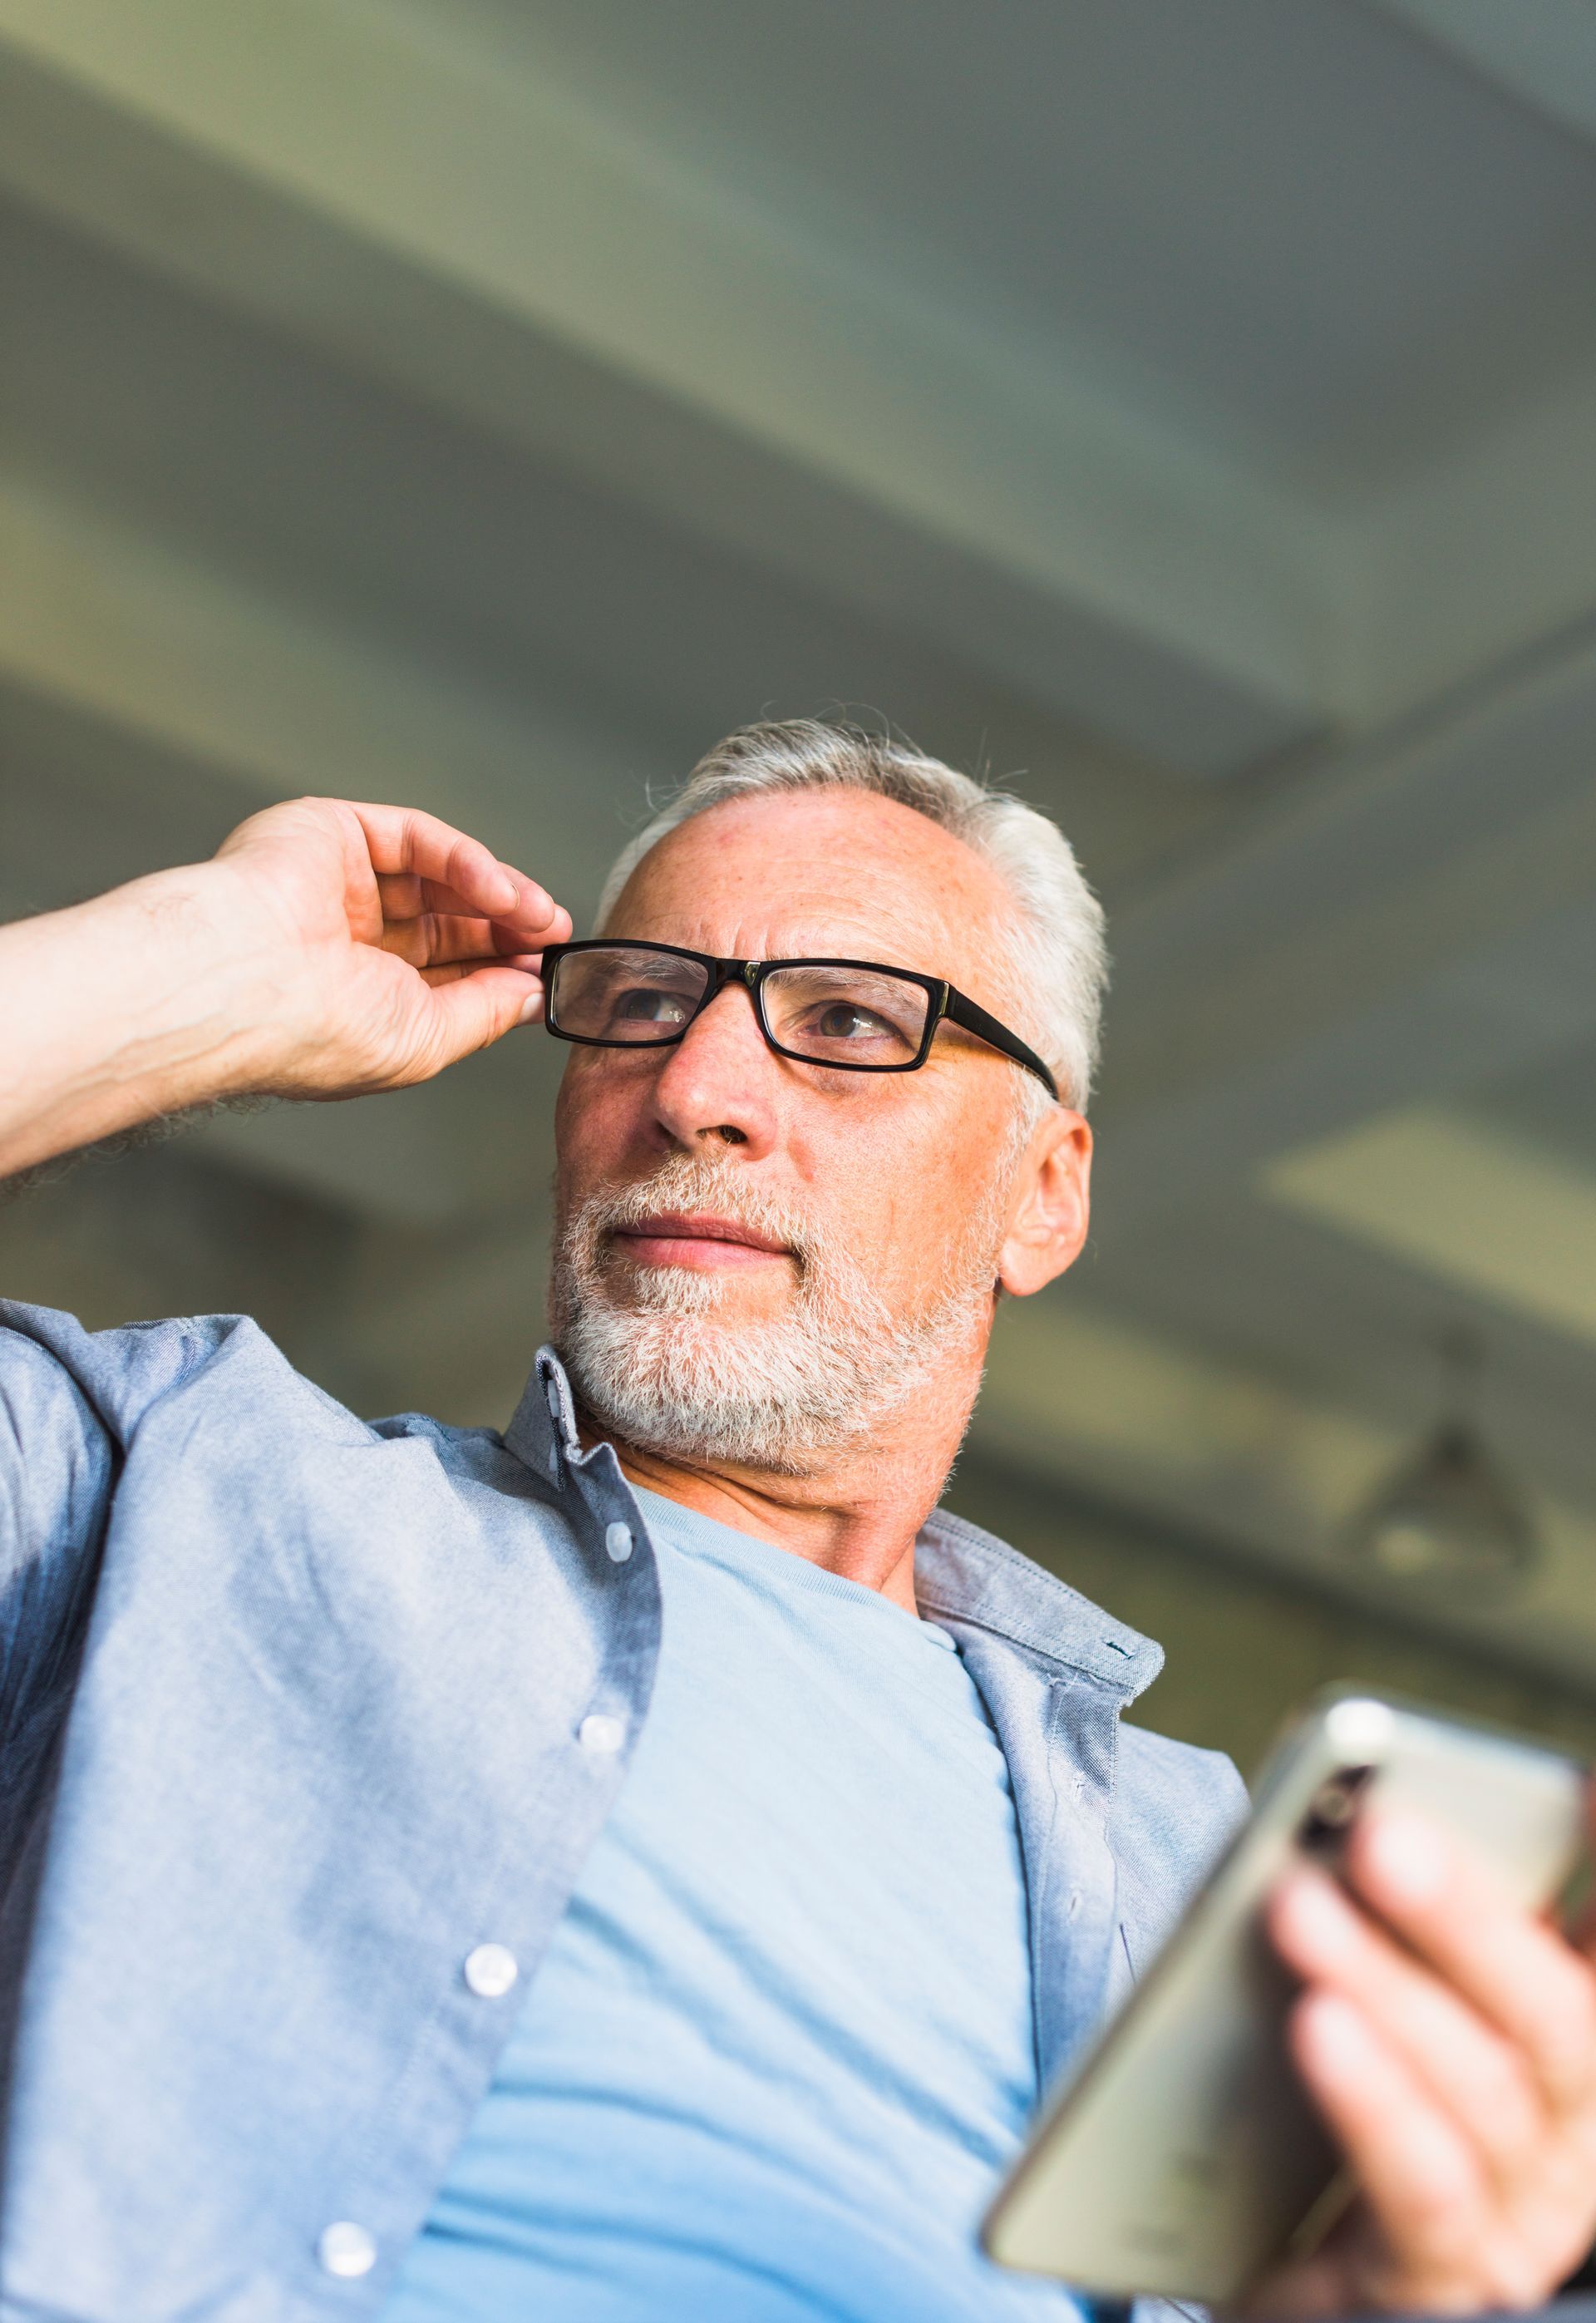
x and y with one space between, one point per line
218 984
234 997
164 994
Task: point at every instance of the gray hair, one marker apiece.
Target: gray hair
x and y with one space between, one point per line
1055 941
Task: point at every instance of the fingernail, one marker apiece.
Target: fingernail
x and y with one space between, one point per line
506 893
1337 2027
1406 1856
1313 1917
531 1008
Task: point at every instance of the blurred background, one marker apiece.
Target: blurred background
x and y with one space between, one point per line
1185 410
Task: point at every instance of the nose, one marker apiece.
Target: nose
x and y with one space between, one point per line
720 1085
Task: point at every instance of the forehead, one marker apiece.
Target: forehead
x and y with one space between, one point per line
819 871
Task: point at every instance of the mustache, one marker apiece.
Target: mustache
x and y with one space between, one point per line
685 1182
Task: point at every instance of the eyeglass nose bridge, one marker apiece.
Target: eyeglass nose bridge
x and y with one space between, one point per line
746 972
751 975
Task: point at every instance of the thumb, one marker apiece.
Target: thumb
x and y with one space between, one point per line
473 1007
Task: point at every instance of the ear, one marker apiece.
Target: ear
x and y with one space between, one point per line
1051 1207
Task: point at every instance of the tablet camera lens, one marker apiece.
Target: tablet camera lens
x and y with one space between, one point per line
1334 1806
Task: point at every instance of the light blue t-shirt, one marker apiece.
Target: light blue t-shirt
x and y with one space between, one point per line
782 2043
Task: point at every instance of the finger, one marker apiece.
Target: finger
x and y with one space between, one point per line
1477 2075
1419 2177
537 919
1520 1973
415 933
405 841
406 896
436 936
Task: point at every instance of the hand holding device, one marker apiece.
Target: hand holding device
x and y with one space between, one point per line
1411 2015
1449 2037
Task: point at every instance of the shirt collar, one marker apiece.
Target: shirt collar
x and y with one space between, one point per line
962 1575
543 1433
972 1579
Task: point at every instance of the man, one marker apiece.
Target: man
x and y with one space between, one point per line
644 1865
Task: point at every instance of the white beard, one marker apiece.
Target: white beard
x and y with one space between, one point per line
662 1370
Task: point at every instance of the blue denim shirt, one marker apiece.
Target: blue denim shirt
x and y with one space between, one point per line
299 1713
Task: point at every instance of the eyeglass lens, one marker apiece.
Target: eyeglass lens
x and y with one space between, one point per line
857 1016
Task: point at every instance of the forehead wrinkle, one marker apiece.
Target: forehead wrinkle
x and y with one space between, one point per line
888 947
929 901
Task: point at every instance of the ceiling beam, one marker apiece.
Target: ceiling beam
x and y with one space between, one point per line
363 179
1410 921
133 634
1472 563
1543 51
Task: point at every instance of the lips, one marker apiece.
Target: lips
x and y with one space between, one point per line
696 1238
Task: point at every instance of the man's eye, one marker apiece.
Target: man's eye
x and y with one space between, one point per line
843 1022
644 1007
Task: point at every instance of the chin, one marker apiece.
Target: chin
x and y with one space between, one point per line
700 1387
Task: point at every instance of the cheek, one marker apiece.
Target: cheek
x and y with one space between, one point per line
935 1185
598 1116
888 1194
601 1104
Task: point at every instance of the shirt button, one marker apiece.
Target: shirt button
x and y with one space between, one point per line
618 1540
491 1970
602 1734
345 2249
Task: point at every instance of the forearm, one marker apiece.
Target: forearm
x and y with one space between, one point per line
154 997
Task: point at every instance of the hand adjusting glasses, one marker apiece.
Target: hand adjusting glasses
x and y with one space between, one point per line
849 1013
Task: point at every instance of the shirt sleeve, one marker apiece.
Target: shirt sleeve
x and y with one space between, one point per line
58 1460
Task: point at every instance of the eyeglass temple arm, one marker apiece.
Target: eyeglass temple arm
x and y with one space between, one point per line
975 1020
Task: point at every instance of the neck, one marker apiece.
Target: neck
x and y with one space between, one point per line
859 1516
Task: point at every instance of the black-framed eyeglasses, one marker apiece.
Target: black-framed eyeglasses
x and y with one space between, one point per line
850 1013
